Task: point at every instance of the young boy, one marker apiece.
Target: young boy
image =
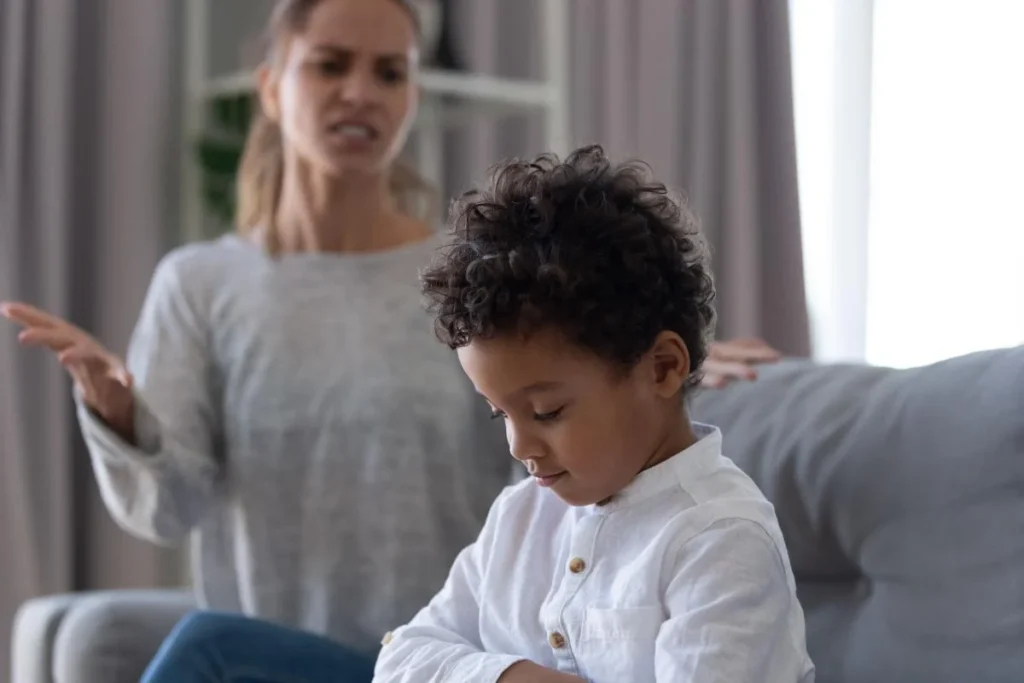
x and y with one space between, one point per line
579 299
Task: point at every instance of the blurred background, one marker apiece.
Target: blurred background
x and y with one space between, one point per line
857 166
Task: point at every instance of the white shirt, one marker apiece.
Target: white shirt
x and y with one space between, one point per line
682 577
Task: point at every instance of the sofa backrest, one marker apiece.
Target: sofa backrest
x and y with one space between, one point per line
901 497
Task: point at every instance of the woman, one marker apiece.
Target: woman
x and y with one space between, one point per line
283 402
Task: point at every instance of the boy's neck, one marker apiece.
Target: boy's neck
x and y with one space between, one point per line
676 440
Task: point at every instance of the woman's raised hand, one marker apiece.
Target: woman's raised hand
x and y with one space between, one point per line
736 359
101 378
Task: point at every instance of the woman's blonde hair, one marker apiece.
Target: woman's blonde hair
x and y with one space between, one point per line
261 171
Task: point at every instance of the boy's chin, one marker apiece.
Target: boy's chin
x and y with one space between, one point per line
573 496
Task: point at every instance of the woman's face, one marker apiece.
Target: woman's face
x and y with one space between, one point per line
343 93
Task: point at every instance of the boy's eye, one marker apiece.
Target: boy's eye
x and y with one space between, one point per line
539 417
549 416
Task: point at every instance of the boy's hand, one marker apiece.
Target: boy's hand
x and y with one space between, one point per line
735 359
528 672
100 377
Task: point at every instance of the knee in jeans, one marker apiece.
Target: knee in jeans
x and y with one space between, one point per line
200 627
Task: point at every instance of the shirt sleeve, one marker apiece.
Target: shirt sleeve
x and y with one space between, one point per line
442 643
730 607
158 487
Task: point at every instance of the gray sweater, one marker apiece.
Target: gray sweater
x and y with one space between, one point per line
297 418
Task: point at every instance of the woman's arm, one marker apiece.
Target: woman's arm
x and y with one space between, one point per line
158 482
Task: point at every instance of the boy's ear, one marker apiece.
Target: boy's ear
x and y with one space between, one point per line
670 364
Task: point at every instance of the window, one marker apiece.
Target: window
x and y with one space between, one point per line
910 133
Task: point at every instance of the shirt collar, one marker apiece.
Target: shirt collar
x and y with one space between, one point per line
685 466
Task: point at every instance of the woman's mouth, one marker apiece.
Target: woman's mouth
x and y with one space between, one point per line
353 135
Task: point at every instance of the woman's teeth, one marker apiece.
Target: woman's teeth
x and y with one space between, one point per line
353 130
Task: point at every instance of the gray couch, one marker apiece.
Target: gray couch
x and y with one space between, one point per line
901 495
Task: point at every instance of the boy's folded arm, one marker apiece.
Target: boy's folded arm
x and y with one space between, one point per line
730 603
442 643
419 653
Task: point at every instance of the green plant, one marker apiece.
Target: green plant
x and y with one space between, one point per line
219 151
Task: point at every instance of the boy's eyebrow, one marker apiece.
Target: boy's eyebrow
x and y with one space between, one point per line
537 388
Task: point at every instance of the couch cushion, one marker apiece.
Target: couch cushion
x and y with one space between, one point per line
901 496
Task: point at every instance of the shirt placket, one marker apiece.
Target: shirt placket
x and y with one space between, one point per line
561 627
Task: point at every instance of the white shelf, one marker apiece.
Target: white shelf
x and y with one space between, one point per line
470 86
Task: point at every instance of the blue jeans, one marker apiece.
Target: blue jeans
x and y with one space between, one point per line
213 647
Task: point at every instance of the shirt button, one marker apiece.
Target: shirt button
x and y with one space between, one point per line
388 637
577 565
557 640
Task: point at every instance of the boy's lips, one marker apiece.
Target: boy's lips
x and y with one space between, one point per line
548 479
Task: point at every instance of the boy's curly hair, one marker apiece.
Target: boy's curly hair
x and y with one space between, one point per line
600 252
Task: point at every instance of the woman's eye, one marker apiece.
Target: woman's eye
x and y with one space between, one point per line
392 75
498 415
332 68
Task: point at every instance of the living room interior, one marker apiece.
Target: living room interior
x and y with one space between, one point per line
856 167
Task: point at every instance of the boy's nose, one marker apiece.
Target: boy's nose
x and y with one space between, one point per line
523 448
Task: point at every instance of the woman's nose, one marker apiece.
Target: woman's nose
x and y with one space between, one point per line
359 88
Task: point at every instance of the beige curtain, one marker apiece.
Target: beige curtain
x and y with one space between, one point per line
701 89
86 101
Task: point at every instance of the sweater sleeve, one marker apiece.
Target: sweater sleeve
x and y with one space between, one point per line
159 487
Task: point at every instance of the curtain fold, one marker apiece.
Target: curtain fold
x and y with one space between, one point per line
739 157
702 91
86 100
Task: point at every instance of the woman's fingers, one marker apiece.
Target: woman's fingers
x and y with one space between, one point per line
744 351
55 338
41 328
755 354
27 315
713 381
748 341
729 369
736 359
84 357
100 377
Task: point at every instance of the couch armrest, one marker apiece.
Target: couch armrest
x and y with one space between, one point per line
92 637
33 636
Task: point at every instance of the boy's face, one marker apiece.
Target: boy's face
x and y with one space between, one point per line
581 426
